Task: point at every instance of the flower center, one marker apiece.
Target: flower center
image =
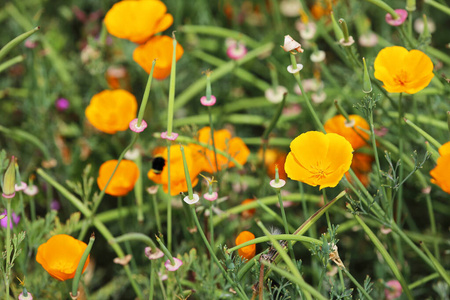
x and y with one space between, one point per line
401 78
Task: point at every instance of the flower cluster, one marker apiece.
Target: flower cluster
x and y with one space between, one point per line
139 21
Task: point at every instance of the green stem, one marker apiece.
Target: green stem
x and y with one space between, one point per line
311 110
290 264
156 212
285 223
278 237
270 212
423 133
325 202
238 289
441 7
212 138
400 175
355 282
436 264
146 95
385 7
8 247
81 263
135 236
152 279
392 265
11 62
13 43
171 90
169 201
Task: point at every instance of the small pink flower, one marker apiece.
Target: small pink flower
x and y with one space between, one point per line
292 110
31 190
162 276
172 268
172 137
236 51
393 290
402 14
206 102
4 222
30 44
153 253
62 104
21 186
211 197
134 125
381 132
27 297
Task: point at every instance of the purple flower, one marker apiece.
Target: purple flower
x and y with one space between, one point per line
62 104
4 221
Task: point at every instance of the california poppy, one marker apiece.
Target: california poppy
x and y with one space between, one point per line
249 212
223 141
112 110
338 124
158 173
60 256
319 159
362 166
273 158
123 180
441 173
247 252
401 70
137 21
159 48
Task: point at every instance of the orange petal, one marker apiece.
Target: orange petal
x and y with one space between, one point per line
309 148
161 49
388 62
441 173
136 21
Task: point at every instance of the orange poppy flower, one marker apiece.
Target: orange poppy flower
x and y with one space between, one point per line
319 159
112 110
223 141
249 212
60 256
247 252
402 70
338 124
362 166
158 173
123 180
137 21
441 173
160 48
274 158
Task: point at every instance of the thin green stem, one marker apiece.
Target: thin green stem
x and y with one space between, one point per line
8 246
81 263
441 7
169 201
392 265
156 212
436 264
325 202
152 279
212 138
238 289
355 282
135 236
385 7
285 223
400 175
171 90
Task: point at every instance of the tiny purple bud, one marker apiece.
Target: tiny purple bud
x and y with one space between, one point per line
172 137
134 125
402 15
4 222
62 104
170 267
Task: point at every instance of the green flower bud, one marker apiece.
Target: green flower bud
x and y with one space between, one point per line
9 180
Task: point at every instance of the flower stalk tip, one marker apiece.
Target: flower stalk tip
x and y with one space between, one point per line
9 180
367 85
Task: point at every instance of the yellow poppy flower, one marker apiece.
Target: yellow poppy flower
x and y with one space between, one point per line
235 147
338 124
247 252
319 159
112 110
159 48
60 256
137 21
158 173
401 70
123 180
441 173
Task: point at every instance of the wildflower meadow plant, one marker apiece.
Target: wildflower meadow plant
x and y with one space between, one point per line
224 149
